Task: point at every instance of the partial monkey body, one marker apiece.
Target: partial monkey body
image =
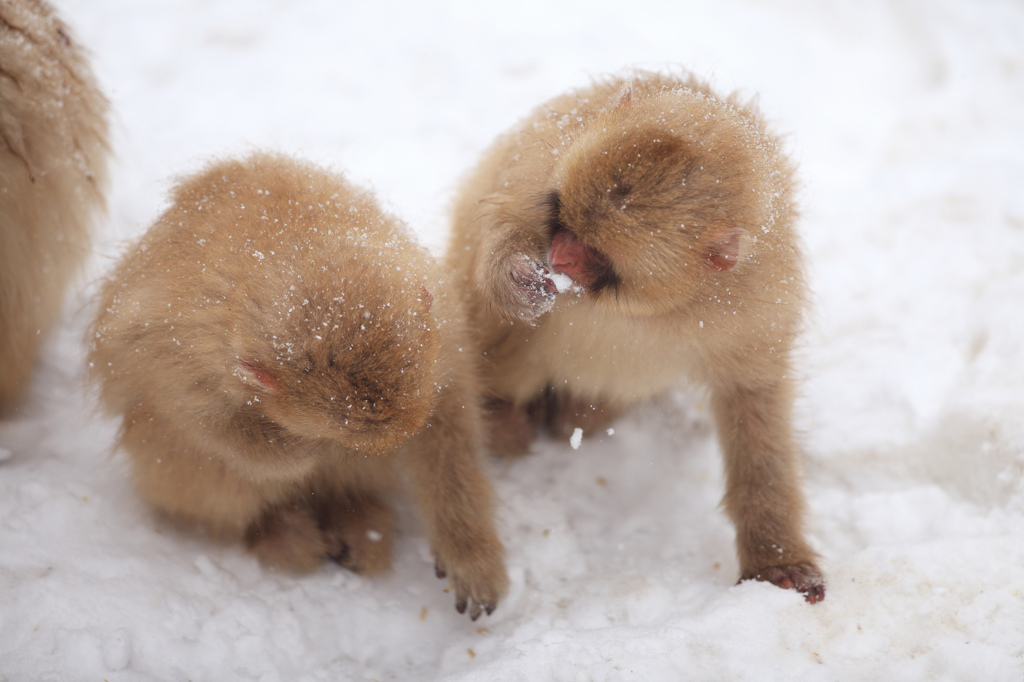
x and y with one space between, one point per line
670 209
53 172
281 353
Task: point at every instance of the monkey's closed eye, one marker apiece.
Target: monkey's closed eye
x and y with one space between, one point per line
553 202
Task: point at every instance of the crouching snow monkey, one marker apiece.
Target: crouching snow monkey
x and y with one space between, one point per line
53 170
281 352
670 210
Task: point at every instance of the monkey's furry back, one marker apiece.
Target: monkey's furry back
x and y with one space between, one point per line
263 237
53 173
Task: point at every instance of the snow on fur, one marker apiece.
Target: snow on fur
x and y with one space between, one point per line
905 122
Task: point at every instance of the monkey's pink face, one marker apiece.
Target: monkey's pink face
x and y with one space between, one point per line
368 385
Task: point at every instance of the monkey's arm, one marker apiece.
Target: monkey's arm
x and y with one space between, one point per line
254 446
763 495
456 502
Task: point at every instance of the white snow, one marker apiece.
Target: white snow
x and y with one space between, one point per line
906 120
563 283
576 439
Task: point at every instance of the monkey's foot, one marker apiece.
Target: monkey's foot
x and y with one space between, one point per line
529 291
479 580
562 413
287 537
805 578
357 533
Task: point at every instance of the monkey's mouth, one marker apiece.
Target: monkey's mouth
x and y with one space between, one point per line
566 254
587 267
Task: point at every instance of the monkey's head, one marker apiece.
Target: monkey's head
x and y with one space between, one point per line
350 359
651 201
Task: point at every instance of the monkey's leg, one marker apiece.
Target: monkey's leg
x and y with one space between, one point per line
511 429
19 345
456 502
287 536
763 495
198 486
31 293
357 529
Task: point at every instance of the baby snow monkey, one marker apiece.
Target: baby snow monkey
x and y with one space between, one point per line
53 170
280 352
670 211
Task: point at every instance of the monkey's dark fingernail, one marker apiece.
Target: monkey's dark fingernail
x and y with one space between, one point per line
490 608
440 572
815 594
460 605
474 610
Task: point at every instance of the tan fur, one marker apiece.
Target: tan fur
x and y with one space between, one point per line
672 209
53 171
281 351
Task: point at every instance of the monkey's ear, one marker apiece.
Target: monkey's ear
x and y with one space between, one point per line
252 373
425 297
625 95
726 247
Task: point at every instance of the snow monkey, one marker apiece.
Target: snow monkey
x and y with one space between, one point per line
670 210
53 172
281 352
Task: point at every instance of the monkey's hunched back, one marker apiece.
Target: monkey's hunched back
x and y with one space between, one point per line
53 171
670 208
273 249
278 349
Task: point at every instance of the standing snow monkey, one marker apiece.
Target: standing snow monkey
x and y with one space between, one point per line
281 352
53 171
670 210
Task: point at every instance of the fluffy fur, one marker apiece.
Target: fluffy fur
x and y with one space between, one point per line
53 171
280 352
671 210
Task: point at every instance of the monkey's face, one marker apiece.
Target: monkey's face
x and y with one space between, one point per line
361 375
640 217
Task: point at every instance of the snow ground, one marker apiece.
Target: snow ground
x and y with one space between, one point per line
907 119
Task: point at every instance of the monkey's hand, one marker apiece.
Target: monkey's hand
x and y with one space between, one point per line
524 291
479 579
805 578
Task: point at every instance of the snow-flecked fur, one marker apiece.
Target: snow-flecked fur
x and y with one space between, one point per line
279 350
53 173
673 208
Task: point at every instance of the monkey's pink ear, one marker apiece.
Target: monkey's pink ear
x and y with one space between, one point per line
625 95
426 297
253 373
726 247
